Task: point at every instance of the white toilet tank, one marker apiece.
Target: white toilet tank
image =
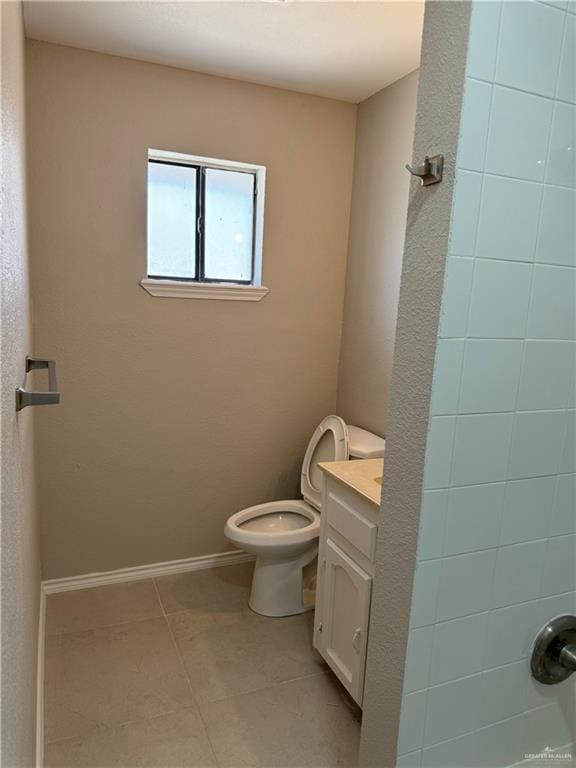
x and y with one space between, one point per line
364 445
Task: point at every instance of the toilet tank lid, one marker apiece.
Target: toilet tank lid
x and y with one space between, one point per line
364 444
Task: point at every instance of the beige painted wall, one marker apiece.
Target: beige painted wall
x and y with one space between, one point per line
437 124
175 413
384 136
20 561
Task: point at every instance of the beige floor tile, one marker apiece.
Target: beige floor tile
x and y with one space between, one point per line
108 676
170 741
254 652
101 607
305 723
207 593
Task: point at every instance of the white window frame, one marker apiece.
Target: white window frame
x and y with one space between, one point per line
182 289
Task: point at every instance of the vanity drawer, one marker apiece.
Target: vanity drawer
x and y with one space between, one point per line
357 529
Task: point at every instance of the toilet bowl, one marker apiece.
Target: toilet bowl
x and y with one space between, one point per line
283 535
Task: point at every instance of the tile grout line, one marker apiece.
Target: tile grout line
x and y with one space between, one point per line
277 684
194 705
103 626
107 728
131 721
499 608
186 675
320 671
484 728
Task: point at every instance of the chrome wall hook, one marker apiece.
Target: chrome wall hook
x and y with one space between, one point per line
430 172
51 396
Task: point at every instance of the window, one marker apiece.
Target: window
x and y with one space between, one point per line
205 226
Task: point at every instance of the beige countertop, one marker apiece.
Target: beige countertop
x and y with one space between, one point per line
363 475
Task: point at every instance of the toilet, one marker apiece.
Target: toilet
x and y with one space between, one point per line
283 535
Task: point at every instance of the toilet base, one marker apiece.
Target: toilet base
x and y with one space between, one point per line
277 588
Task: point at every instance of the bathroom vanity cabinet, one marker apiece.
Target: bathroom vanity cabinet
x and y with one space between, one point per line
349 523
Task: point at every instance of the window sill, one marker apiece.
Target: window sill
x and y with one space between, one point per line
178 289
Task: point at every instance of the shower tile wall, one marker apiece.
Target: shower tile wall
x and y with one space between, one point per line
497 546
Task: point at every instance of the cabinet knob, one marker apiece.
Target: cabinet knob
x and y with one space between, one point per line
356 639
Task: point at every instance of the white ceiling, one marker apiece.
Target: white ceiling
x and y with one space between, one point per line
344 50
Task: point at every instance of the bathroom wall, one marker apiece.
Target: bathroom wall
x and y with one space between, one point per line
384 135
175 413
20 561
440 93
497 542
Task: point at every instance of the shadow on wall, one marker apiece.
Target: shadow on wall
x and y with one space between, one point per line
287 487
381 185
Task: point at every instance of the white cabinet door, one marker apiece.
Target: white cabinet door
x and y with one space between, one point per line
344 610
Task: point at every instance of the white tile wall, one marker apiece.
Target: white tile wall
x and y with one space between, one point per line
454 753
508 221
564 519
475 119
449 357
432 518
438 460
410 760
568 461
557 233
465 585
490 375
481 448
468 190
418 658
455 307
547 375
561 166
483 44
497 547
411 734
501 743
527 510
500 299
510 633
555 319
519 134
567 78
548 725
426 581
559 566
473 518
518 573
537 443
503 693
451 709
457 648
530 61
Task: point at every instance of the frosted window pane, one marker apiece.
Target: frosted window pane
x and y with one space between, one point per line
228 225
171 220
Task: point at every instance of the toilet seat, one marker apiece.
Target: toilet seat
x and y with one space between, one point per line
245 536
328 443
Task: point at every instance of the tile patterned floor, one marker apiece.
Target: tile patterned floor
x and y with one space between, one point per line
178 672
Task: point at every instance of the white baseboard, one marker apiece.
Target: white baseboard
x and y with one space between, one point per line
88 580
40 680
